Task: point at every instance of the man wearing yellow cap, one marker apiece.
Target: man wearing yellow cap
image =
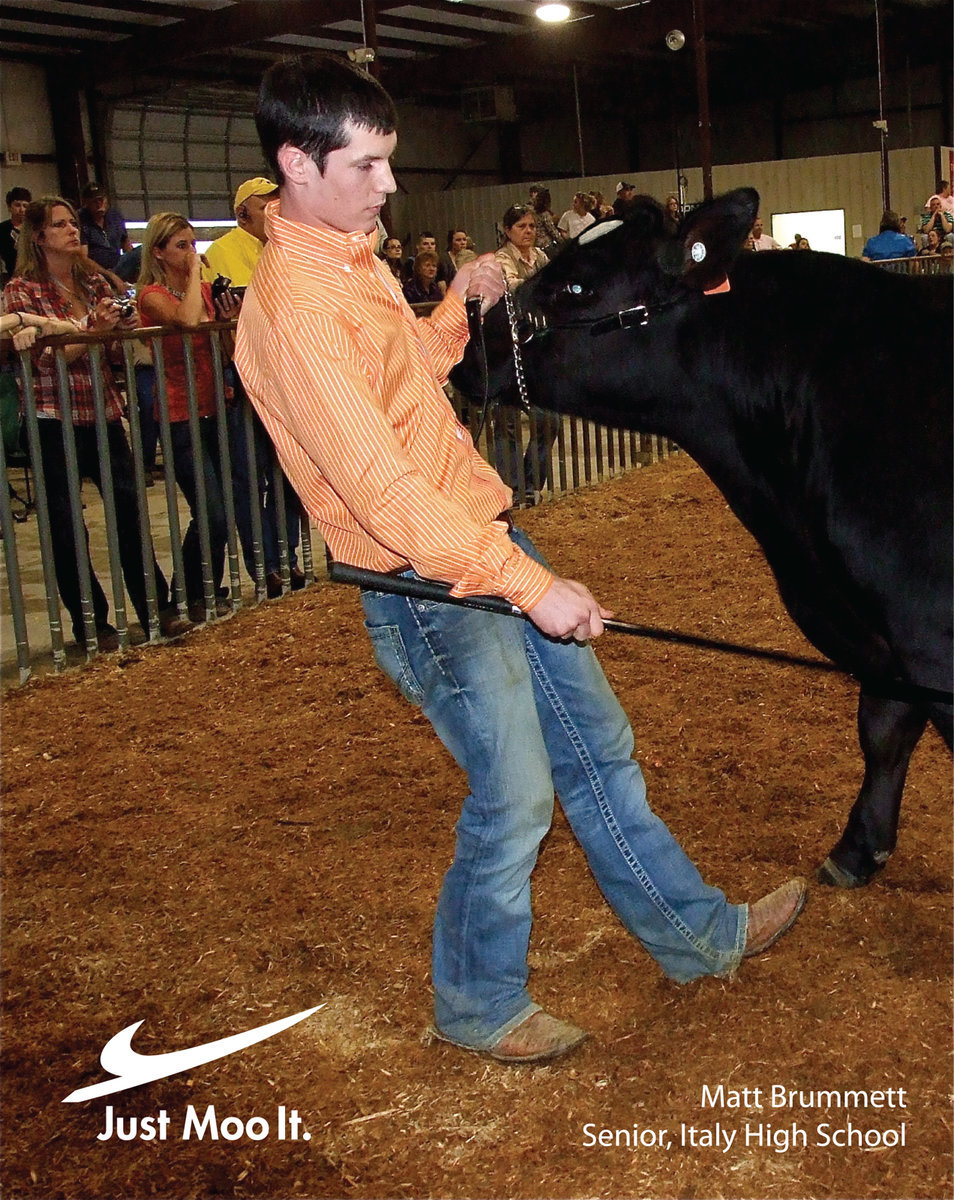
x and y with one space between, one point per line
235 253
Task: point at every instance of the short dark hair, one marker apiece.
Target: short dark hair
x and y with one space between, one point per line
308 101
18 193
514 213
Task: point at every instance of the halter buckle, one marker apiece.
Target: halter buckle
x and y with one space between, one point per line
625 319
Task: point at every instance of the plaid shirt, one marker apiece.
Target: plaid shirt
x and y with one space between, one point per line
23 295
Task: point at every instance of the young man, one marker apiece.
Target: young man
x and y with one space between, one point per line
18 201
348 383
426 244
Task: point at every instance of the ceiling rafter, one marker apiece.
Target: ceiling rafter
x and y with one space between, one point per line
36 16
202 32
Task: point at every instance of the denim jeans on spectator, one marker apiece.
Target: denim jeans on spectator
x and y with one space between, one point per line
524 715
127 520
242 492
145 402
185 473
528 472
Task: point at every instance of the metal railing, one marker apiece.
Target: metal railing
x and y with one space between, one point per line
543 455
922 264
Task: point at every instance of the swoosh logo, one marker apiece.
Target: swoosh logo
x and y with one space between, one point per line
131 1068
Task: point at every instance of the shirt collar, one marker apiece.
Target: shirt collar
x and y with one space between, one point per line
330 245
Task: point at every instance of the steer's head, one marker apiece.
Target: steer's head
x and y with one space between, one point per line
614 275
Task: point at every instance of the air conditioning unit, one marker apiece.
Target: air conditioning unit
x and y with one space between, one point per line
494 103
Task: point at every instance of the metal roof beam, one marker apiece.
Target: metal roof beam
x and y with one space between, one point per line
216 31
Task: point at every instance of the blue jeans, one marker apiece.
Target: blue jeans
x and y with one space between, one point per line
146 403
530 472
244 491
524 715
185 468
53 457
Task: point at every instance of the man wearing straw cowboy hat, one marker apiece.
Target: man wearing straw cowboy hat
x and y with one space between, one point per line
348 383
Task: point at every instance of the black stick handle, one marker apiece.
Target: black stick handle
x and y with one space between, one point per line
430 589
421 589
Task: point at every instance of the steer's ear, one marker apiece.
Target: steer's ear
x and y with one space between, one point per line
710 239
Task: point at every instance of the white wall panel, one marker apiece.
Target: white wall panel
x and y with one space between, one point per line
849 181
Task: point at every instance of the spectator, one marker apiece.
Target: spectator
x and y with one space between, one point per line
519 256
577 218
671 214
548 237
392 252
763 241
943 194
931 245
520 259
54 279
234 256
936 218
422 287
598 206
102 229
457 240
625 198
172 292
890 242
17 200
426 242
127 269
802 243
25 327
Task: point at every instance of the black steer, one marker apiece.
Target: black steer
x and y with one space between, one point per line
816 394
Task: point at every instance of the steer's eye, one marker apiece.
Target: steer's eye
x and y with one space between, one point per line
575 291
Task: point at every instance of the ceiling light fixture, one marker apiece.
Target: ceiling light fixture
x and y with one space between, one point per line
552 13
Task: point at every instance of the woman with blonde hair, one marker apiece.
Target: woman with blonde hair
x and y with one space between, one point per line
172 292
54 279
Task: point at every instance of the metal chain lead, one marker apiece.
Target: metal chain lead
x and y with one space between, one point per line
517 356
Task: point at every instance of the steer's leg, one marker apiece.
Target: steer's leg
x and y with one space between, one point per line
942 717
888 730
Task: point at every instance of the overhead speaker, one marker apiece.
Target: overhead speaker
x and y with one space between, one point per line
675 39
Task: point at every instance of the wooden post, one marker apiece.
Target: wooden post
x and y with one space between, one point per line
64 95
881 124
702 92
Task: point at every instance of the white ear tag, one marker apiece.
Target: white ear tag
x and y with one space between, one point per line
698 252
597 231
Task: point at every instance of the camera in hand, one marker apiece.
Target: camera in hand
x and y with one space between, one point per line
124 307
222 284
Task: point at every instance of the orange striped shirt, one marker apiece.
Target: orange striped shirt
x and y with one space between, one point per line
348 383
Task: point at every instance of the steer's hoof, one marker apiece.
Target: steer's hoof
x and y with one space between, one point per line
832 875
